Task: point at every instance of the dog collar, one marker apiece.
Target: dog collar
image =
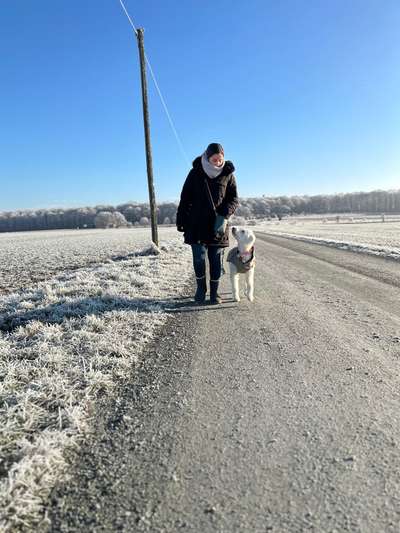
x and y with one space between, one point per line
245 256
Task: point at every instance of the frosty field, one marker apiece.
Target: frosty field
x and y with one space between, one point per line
26 257
76 309
377 238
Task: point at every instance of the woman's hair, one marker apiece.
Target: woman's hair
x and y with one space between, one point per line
214 148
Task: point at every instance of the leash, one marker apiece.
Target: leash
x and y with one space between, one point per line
210 197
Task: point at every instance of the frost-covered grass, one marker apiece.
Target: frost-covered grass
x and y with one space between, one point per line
26 257
374 238
67 340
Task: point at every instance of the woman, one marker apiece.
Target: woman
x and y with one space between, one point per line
209 197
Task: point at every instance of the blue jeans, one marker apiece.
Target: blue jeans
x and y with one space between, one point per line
215 257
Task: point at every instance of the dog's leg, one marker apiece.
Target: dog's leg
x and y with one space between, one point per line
246 285
235 283
250 284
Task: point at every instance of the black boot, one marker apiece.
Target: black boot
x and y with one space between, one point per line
215 298
200 295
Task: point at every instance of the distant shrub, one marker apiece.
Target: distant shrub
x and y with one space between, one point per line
237 221
119 220
107 219
104 219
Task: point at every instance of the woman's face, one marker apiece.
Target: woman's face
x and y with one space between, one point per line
217 160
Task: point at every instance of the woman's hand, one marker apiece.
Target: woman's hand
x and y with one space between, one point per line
220 226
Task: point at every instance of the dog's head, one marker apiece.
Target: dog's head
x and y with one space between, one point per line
244 237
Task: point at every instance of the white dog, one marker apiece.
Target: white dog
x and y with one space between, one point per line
241 261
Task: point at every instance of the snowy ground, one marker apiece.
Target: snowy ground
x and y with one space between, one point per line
68 338
376 238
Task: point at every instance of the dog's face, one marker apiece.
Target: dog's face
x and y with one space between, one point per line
244 237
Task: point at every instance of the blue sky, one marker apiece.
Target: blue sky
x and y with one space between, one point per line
304 96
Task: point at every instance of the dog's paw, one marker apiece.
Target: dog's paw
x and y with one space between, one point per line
236 298
250 297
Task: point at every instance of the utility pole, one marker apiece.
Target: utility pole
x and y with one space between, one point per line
149 160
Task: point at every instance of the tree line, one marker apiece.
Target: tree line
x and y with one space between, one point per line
138 214
100 216
374 202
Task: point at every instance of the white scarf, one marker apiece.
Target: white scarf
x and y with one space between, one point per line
211 170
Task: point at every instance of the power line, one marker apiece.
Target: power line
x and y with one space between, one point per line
127 14
159 92
168 115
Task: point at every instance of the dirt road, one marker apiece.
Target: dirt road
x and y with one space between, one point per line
282 415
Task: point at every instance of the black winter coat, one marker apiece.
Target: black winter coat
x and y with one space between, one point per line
195 215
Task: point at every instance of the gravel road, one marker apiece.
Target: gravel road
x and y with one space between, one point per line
282 415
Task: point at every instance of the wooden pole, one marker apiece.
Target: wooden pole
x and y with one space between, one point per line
146 120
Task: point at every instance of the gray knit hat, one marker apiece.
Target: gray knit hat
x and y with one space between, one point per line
214 148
